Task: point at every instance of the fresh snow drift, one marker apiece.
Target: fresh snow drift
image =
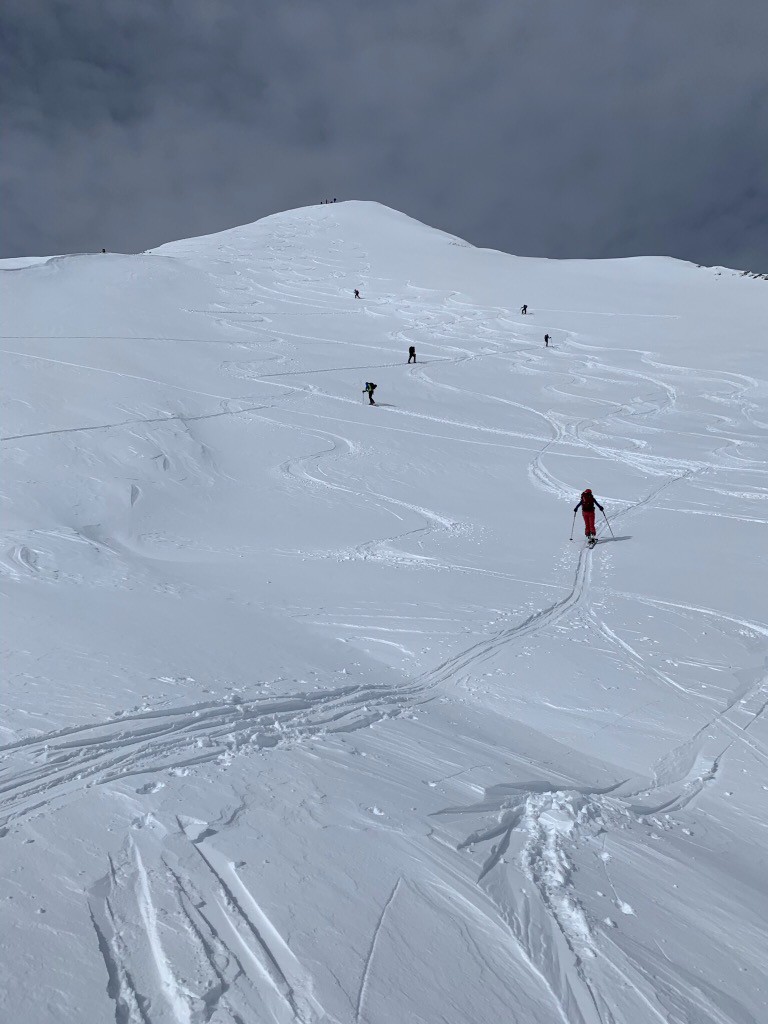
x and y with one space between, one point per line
312 712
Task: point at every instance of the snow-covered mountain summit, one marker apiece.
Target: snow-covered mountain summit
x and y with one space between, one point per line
312 710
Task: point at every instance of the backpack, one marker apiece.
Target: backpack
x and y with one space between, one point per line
369 386
588 501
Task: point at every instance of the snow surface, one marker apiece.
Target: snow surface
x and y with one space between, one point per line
311 711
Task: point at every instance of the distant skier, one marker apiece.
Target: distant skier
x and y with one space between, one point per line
524 308
357 293
369 389
546 341
103 250
412 354
587 504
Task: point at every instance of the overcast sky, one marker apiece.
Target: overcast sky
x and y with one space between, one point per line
542 127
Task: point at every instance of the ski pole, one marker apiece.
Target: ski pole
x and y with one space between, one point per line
573 525
608 524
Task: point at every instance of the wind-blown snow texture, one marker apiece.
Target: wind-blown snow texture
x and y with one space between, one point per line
312 713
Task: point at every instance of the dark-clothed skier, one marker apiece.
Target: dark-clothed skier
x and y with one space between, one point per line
368 390
412 354
546 341
524 308
587 504
357 293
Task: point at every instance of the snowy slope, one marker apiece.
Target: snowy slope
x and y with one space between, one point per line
311 711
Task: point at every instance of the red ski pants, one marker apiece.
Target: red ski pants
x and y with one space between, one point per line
589 522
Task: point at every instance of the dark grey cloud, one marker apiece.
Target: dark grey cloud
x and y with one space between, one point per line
544 127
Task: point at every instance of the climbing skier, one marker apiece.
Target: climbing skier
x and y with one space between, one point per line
546 341
587 504
411 353
357 293
524 308
368 390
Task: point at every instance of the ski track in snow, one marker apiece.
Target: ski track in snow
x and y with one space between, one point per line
39 771
225 958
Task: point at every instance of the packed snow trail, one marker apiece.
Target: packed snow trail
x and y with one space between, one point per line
313 713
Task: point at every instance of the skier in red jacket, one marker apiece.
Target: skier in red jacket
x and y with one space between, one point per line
587 504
